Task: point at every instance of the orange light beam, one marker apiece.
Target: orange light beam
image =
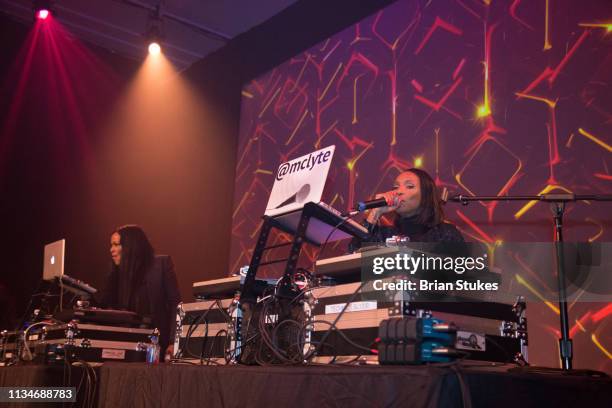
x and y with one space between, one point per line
269 102
550 103
595 139
547 45
601 229
523 282
485 108
355 99
242 200
299 78
578 326
296 127
331 51
530 204
475 227
607 26
599 346
329 129
353 161
330 82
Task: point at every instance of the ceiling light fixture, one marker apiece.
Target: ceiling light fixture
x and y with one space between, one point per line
42 9
154 32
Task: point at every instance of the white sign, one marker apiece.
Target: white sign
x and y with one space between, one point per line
299 181
353 307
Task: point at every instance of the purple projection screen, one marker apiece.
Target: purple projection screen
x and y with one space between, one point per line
489 97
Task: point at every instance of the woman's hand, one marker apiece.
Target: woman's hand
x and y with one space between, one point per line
393 202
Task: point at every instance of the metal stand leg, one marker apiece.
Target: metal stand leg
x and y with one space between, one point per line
565 343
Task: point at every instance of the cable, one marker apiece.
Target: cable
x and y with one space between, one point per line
212 344
28 353
263 330
204 340
333 325
231 352
193 327
341 334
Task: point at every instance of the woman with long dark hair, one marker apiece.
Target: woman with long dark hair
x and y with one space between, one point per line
142 282
414 210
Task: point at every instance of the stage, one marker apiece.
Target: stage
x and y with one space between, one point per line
457 385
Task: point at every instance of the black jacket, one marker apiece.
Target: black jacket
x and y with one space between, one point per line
161 289
443 232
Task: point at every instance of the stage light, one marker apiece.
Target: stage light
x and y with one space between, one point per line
154 48
42 9
154 33
42 14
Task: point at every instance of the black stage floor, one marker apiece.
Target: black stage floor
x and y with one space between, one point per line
464 385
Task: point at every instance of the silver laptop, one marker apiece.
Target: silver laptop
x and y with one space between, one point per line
54 259
300 181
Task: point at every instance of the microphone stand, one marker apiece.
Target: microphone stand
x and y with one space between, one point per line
558 202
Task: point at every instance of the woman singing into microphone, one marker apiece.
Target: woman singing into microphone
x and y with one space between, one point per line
414 211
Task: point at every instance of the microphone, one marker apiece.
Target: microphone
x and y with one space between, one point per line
368 205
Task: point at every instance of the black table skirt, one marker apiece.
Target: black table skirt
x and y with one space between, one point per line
165 385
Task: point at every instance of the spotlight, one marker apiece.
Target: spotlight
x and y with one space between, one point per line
154 33
42 9
154 48
42 14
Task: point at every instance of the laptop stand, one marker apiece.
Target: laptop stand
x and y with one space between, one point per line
313 224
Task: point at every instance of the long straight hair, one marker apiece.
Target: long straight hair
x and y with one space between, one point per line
137 255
